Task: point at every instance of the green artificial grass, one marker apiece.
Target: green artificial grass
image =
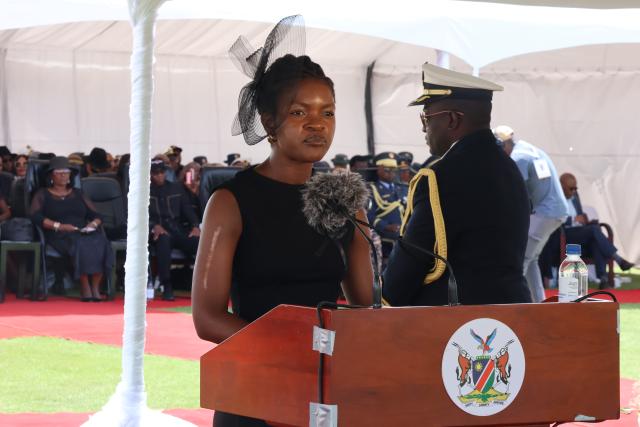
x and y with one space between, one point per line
185 309
631 277
630 341
42 374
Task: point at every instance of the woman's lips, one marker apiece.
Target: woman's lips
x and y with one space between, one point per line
315 140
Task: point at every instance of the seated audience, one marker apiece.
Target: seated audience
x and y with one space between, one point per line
190 179
5 210
231 158
201 160
20 165
169 210
579 229
97 162
340 161
7 159
169 173
405 159
71 226
241 163
174 154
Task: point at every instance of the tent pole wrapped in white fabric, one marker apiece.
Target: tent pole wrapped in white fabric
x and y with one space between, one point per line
128 406
570 78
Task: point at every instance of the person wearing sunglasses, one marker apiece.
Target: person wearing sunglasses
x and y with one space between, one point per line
586 232
469 206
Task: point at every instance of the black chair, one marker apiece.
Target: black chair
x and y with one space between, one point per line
18 200
6 182
106 195
123 177
211 177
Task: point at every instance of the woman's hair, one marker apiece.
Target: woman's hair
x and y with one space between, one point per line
285 73
186 168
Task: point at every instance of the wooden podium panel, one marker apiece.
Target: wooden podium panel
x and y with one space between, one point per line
386 367
266 370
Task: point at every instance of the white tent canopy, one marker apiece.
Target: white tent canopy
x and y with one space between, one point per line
570 75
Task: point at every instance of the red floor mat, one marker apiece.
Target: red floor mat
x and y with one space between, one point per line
199 417
624 297
168 333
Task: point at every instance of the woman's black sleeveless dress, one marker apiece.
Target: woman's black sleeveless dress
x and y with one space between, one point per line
279 259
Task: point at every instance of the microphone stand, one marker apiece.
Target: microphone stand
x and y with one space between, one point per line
377 277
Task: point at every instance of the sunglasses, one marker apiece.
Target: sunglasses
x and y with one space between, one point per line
61 171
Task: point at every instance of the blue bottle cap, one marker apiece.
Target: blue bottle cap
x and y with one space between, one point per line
573 249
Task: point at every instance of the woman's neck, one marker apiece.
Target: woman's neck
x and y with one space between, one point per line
59 188
289 172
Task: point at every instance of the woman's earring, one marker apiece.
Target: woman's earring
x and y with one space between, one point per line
272 139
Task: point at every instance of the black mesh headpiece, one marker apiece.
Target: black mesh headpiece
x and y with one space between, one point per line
288 36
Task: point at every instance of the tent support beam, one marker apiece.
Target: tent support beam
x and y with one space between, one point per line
368 111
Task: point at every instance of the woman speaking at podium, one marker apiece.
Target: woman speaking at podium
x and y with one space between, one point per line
256 246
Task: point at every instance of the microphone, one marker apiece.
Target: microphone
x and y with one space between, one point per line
330 200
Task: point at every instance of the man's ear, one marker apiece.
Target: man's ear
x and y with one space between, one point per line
455 121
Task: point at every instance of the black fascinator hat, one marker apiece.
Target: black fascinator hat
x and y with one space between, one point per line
287 37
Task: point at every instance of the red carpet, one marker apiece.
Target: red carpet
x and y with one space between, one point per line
168 333
624 297
199 417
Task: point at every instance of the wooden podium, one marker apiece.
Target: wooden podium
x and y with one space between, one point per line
386 368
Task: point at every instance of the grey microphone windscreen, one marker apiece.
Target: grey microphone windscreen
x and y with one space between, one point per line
329 197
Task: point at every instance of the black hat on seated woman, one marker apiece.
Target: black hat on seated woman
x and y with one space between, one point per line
59 162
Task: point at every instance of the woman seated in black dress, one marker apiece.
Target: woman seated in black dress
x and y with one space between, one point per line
256 246
71 226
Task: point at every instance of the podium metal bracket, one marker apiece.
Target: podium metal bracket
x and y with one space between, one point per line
323 340
321 415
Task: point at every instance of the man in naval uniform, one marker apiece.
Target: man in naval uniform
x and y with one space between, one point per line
387 201
470 206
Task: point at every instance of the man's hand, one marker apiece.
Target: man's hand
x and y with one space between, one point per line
195 232
582 219
158 231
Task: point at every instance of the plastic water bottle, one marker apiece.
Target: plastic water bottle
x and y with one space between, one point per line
573 275
150 290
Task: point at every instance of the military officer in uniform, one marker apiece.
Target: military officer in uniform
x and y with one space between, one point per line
405 160
470 206
387 201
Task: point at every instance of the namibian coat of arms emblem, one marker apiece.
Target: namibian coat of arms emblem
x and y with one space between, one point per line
483 367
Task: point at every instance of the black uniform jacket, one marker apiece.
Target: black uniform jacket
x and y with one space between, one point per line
170 207
486 215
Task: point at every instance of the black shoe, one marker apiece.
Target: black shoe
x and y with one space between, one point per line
86 299
604 283
96 299
168 297
625 265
